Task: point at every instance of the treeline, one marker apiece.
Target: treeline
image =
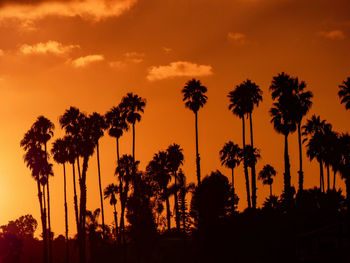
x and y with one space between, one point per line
143 194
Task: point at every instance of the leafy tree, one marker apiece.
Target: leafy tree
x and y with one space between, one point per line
24 227
195 98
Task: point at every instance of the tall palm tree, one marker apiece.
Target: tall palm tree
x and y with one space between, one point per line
117 124
98 124
125 171
44 129
175 160
254 97
303 105
344 93
158 170
60 155
314 129
231 157
283 119
110 192
133 105
195 98
266 176
35 159
239 104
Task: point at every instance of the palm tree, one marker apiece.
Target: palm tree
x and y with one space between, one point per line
283 119
133 105
60 155
175 160
195 99
110 192
35 159
303 105
345 164
314 128
231 157
43 127
266 176
184 188
125 170
344 93
253 97
158 170
116 121
98 126
239 106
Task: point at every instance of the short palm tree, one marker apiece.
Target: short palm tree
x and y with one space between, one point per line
110 192
195 98
231 157
133 106
266 175
344 93
175 160
60 155
184 188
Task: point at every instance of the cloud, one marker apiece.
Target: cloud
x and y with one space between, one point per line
85 61
178 69
333 35
50 47
127 59
237 37
167 49
87 9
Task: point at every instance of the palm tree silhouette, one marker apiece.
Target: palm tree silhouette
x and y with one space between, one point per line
195 99
110 192
44 129
116 121
239 103
345 164
344 93
314 128
283 119
254 97
231 157
98 126
175 160
60 155
35 159
125 170
303 105
158 170
266 176
132 105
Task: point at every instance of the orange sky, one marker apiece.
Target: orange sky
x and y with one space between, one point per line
89 53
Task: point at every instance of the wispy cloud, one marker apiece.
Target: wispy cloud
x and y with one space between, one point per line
87 60
237 37
87 9
178 69
50 47
333 35
127 59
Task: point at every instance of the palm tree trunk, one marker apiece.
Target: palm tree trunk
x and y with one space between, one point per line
287 183
321 177
116 221
122 208
183 208
43 223
328 183
78 164
197 153
300 172
245 167
233 183
347 186
168 210
253 167
48 211
270 190
44 198
75 200
82 250
99 183
334 177
117 150
176 204
65 211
